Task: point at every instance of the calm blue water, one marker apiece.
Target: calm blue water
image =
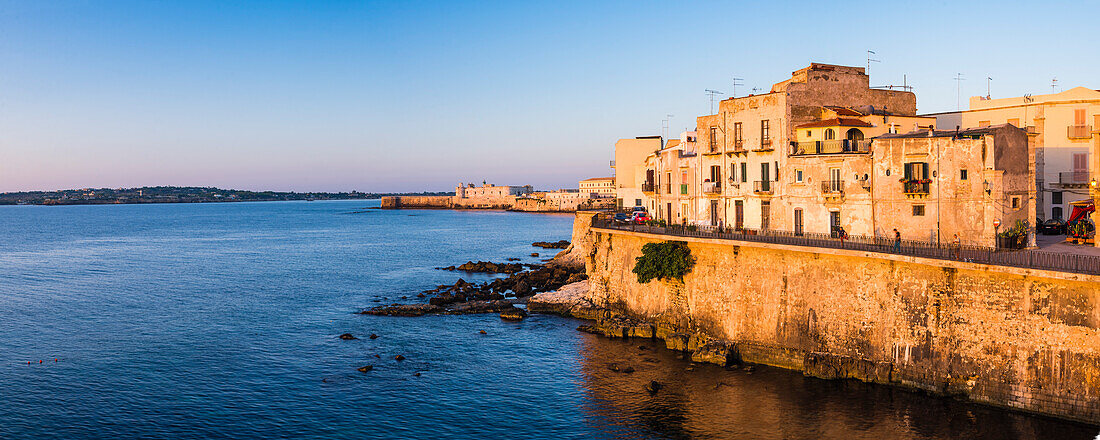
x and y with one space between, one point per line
220 321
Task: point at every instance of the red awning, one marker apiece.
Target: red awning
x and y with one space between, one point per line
1080 211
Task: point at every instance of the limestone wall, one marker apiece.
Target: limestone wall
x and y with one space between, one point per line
1009 337
398 202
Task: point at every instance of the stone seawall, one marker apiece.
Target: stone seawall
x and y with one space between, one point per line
446 202
1010 337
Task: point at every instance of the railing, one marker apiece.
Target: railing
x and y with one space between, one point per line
916 188
712 147
832 187
1079 131
647 187
762 187
765 145
840 146
712 188
1073 178
739 146
1030 259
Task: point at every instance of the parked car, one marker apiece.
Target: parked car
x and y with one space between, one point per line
639 209
641 217
1054 226
623 217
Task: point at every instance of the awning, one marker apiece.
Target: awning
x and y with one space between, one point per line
1081 209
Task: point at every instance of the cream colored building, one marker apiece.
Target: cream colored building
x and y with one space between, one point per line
601 186
744 147
1064 126
674 195
630 172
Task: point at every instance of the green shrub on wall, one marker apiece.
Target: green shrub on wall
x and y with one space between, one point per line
663 261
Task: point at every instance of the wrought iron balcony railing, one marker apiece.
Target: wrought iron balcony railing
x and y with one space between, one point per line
916 187
832 187
762 187
712 188
1073 178
1079 131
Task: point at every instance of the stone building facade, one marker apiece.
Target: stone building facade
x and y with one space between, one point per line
601 186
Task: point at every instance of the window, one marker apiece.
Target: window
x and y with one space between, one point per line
737 133
713 139
830 134
744 172
1079 116
1056 197
1056 212
716 173
637 202
962 174
1016 202
798 176
809 133
668 183
918 210
764 131
983 123
777 171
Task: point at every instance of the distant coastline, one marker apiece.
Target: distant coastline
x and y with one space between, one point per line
178 194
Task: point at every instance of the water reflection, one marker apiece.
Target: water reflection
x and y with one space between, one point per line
707 401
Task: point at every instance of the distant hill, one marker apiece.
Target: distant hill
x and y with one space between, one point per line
177 194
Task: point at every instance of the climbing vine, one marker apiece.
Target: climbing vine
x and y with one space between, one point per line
663 261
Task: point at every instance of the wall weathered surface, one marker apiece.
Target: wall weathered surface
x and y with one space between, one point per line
1011 337
398 202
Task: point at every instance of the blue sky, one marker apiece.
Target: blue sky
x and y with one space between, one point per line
410 96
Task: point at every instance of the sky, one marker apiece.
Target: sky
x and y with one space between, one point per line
421 95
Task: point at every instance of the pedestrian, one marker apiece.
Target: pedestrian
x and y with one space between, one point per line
958 246
841 234
897 240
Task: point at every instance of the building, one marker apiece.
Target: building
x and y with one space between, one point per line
1064 126
743 146
489 191
933 184
630 173
600 186
673 181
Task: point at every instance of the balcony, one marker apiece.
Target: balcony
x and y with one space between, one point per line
762 187
842 146
739 147
765 145
916 187
832 187
712 148
647 187
1073 178
1079 131
712 188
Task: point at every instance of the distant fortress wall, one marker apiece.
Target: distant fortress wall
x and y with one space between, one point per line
398 202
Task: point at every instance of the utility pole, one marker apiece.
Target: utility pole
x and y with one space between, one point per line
869 61
737 82
712 93
958 91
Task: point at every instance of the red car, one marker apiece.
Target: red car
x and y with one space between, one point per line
640 217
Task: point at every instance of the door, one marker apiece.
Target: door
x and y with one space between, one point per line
714 212
668 209
765 173
765 215
834 180
798 221
834 223
739 214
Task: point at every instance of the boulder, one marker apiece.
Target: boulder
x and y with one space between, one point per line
513 314
365 368
399 358
347 337
653 387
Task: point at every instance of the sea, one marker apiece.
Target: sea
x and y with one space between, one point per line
221 320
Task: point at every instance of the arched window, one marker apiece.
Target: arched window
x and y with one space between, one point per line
829 134
854 135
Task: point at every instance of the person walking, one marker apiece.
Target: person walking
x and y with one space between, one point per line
841 234
897 241
958 246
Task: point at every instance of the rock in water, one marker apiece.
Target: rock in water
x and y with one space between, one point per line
482 332
365 368
534 254
373 336
628 370
399 358
653 387
513 314
347 337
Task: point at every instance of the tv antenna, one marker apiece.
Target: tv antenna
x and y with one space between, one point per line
958 90
737 82
1054 85
869 61
754 89
711 93
665 126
